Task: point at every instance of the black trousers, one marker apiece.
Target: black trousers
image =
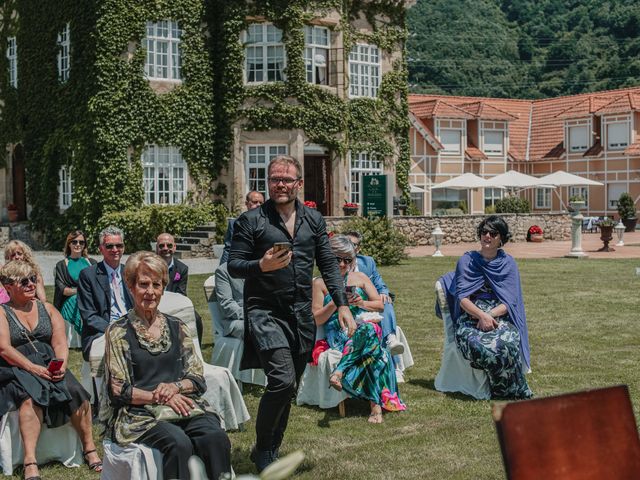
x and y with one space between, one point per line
177 441
283 370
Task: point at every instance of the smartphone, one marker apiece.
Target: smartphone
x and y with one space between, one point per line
55 365
350 289
279 246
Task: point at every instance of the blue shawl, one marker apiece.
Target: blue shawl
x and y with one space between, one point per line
502 274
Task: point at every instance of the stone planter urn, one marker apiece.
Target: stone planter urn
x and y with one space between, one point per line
577 205
537 237
606 235
630 224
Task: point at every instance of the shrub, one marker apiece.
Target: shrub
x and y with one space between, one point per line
143 225
490 209
379 239
513 205
626 206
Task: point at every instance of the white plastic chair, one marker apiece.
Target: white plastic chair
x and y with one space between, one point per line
456 373
227 351
73 339
60 444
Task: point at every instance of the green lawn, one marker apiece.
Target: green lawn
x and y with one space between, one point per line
583 321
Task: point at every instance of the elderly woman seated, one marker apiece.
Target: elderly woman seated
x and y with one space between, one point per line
33 368
366 370
488 312
155 380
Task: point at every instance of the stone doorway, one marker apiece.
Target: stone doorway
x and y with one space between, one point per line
317 182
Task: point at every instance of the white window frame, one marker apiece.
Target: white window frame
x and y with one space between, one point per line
268 47
361 163
365 71
575 142
317 41
581 191
543 202
449 126
165 175
65 187
493 128
12 61
624 124
492 195
164 53
64 53
257 158
614 190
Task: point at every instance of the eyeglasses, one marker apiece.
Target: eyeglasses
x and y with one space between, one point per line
111 246
285 181
24 282
77 242
356 244
346 260
165 245
486 231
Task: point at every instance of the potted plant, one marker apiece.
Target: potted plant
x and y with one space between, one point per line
627 212
12 212
350 209
606 233
535 234
576 203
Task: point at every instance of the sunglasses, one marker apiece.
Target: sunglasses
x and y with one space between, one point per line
77 242
165 245
24 282
346 260
486 231
111 246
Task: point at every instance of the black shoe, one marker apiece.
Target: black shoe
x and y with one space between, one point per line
261 458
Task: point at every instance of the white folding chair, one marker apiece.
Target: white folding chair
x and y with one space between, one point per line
456 373
227 351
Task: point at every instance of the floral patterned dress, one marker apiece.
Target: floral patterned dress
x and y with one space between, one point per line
367 368
497 352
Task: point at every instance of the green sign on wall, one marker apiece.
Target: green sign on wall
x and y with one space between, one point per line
374 195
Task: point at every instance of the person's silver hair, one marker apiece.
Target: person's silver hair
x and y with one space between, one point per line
341 245
151 261
110 231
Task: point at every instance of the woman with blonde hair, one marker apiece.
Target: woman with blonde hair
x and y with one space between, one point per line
17 250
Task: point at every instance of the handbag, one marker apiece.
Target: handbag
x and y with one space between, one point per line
164 413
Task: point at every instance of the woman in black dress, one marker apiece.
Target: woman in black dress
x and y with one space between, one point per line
32 333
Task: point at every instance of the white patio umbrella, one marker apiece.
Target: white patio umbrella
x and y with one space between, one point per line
463 182
513 179
564 179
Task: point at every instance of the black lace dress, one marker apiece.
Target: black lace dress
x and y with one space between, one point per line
57 399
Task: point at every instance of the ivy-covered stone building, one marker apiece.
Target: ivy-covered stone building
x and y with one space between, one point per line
107 105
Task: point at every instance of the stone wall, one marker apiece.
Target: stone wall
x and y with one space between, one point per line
462 228
5 236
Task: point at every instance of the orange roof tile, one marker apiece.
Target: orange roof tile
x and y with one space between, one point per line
487 112
623 104
438 108
595 150
427 133
474 153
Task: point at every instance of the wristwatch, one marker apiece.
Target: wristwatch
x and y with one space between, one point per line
179 385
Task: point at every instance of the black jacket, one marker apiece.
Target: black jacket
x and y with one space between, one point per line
278 304
178 278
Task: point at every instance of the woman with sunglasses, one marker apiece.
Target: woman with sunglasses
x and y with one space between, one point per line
34 379
17 250
67 272
365 370
489 318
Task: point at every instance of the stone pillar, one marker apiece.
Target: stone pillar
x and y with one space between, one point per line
576 236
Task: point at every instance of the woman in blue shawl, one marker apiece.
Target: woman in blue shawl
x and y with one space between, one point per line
490 322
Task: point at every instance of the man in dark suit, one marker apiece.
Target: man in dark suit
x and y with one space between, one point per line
178 272
253 200
103 296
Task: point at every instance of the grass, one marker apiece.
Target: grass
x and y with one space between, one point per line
582 315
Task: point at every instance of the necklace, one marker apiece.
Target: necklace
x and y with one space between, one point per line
146 339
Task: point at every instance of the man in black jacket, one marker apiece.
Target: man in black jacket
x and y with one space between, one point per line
280 331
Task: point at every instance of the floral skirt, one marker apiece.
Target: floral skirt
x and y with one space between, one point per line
367 369
496 352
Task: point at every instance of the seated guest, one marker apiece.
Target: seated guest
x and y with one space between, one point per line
32 334
488 312
366 369
17 250
103 296
229 293
367 265
252 200
178 272
155 380
67 272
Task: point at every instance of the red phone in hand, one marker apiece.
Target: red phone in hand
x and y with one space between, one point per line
55 365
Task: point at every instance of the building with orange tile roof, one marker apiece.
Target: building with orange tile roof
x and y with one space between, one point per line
593 135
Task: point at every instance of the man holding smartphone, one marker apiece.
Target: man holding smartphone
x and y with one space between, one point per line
274 248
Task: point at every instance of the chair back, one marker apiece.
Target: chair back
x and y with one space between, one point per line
216 316
584 435
209 288
441 298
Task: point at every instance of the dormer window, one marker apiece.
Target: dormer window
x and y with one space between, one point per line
493 134
617 132
450 133
577 138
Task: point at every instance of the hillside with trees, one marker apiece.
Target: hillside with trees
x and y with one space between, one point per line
523 48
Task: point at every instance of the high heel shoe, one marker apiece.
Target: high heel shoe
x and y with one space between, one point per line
335 382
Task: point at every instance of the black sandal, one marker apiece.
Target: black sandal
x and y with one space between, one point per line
96 466
35 477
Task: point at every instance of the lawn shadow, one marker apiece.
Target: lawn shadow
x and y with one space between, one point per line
429 384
